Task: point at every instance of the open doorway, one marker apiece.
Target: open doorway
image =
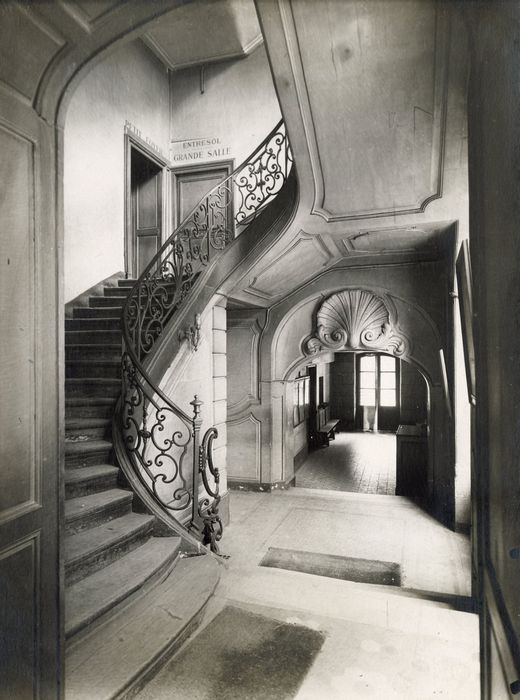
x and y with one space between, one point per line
368 432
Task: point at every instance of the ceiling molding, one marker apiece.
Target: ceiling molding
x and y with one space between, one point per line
290 259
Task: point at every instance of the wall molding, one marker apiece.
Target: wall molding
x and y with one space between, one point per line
235 422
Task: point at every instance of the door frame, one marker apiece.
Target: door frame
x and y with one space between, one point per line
134 142
228 165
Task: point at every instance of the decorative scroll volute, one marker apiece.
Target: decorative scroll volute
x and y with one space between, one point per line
356 319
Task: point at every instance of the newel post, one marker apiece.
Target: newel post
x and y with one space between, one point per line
196 423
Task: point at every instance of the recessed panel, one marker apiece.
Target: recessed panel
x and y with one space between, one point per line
17 346
18 619
303 259
373 74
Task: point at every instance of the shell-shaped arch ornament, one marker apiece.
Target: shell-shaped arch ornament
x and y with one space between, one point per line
356 319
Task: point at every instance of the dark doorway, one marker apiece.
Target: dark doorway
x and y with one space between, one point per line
144 235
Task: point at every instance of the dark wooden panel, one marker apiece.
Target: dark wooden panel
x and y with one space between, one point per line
19 600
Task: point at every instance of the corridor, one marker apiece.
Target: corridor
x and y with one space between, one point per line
354 640
355 462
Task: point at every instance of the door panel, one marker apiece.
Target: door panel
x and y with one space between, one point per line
30 323
190 185
146 226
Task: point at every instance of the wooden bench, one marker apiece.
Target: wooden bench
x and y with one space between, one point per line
327 431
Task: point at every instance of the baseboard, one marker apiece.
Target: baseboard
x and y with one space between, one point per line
264 487
300 458
83 298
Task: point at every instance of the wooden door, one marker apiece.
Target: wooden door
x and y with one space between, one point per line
191 185
31 323
146 196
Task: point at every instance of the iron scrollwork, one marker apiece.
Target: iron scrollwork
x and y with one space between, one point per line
157 434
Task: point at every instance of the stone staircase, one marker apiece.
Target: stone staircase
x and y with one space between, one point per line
111 554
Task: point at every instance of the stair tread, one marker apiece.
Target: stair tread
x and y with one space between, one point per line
82 505
76 476
84 544
74 447
88 599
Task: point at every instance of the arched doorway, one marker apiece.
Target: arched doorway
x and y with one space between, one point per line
377 407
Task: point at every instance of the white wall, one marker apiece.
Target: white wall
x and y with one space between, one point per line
239 106
131 85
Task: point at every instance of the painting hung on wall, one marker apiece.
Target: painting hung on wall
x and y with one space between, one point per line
464 283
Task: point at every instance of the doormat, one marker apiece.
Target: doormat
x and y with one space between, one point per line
384 573
239 656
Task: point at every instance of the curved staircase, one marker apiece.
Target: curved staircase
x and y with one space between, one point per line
137 465
110 550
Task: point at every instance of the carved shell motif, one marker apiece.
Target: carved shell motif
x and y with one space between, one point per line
355 320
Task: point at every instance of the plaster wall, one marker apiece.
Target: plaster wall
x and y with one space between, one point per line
238 106
130 85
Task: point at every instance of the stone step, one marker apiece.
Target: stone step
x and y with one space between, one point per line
92 368
107 302
93 351
93 324
81 407
83 453
84 481
117 291
88 551
106 312
88 427
93 337
126 283
93 387
86 512
110 664
91 600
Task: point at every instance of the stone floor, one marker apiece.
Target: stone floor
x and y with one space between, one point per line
356 462
381 642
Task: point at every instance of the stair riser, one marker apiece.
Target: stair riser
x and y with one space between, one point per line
92 337
98 517
87 312
102 302
117 291
95 431
92 352
76 571
90 390
91 411
90 370
87 459
94 485
93 324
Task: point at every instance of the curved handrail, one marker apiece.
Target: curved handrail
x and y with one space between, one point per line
156 433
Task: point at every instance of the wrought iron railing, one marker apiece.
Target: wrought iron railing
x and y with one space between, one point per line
162 445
